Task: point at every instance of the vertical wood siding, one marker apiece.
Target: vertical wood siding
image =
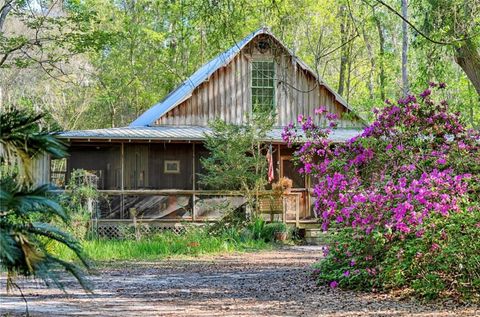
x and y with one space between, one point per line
227 93
41 170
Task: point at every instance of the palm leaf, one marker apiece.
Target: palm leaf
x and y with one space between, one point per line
23 242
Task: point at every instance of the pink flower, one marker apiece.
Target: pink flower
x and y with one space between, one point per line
333 284
346 273
426 93
320 110
441 161
434 247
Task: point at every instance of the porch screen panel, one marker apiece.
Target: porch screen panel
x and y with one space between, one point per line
102 160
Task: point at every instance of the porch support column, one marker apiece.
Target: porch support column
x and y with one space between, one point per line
122 180
284 201
278 160
193 183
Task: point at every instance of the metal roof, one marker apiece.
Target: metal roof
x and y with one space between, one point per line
184 91
177 133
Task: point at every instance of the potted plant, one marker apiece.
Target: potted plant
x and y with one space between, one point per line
281 232
274 231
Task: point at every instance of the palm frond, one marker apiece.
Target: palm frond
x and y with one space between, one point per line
23 239
24 202
21 141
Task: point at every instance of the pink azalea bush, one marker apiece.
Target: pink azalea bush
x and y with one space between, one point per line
402 198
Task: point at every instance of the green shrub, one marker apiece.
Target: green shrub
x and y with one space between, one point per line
404 195
269 230
443 261
256 227
446 259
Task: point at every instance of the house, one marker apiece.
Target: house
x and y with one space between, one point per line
150 167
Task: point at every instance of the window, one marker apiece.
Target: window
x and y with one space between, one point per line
263 88
172 167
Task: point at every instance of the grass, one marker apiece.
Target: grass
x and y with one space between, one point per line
192 243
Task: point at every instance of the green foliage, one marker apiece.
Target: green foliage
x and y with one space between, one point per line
442 262
399 227
194 242
236 158
47 39
233 220
78 200
256 228
24 240
117 59
22 141
446 259
270 229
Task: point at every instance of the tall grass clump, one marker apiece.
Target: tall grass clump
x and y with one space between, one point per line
193 242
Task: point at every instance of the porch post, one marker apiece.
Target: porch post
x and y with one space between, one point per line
193 182
278 160
122 182
284 199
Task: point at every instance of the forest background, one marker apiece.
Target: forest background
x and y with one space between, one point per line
101 63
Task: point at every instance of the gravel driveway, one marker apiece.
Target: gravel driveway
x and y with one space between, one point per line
271 283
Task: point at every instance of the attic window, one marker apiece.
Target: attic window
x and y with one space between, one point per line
263 88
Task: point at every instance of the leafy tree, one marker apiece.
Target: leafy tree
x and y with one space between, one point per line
46 33
237 156
24 239
116 59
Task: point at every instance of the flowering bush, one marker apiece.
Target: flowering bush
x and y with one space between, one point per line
400 196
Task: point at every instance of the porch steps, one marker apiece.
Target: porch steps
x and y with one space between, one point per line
315 236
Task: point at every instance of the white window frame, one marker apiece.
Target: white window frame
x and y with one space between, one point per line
273 87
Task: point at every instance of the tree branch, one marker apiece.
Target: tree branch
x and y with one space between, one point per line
4 12
420 32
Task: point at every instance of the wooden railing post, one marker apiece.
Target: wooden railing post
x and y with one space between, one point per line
297 211
194 196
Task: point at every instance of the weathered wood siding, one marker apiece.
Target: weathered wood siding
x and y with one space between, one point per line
227 93
158 153
41 170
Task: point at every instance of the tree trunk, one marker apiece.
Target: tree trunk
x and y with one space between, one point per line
405 87
368 45
4 11
381 64
344 51
467 57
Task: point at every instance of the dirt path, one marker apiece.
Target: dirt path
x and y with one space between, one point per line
273 283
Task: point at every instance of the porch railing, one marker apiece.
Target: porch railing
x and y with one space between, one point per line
184 205
149 206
